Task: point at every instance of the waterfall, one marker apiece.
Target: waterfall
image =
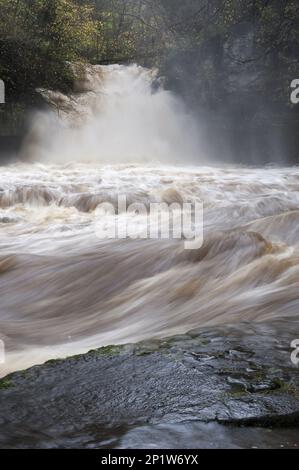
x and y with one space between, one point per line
119 114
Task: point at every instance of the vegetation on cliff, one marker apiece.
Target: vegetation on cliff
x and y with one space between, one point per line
39 37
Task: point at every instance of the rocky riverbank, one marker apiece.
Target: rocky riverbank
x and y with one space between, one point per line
226 387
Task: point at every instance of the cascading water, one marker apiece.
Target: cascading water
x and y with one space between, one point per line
122 114
64 291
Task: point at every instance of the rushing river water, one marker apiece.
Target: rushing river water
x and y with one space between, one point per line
64 291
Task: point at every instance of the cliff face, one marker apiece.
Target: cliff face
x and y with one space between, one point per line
15 117
257 103
241 92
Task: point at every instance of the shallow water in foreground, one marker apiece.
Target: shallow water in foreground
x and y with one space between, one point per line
190 435
205 436
65 291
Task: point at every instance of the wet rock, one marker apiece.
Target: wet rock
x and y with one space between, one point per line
172 196
222 375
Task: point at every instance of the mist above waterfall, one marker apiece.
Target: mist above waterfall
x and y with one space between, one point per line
119 114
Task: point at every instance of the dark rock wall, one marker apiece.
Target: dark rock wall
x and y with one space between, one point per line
240 93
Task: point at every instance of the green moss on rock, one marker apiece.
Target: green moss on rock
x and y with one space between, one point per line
111 350
5 383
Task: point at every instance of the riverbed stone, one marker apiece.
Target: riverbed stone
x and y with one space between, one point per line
221 375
